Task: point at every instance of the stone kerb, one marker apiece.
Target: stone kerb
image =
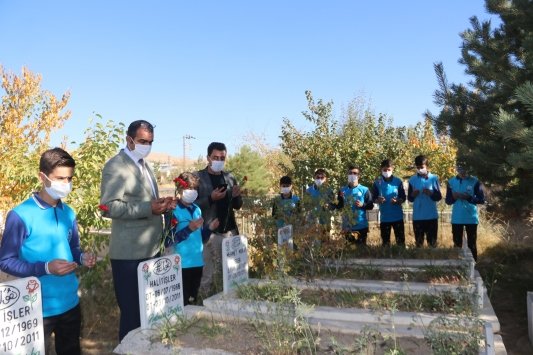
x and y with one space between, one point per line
404 287
343 320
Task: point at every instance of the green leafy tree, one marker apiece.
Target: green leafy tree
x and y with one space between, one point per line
102 141
361 138
251 164
489 118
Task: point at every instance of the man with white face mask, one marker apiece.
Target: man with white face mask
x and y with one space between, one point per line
389 193
319 202
129 193
464 192
286 206
424 193
355 199
218 196
41 239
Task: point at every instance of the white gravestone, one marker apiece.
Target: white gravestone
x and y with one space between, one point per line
529 301
160 289
21 317
234 261
285 236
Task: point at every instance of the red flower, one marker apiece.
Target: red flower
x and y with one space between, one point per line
173 222
179 181
145 268
32 286
177 259
103 208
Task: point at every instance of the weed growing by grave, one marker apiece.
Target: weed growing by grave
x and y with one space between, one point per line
443 302
283 328
173 324
455 335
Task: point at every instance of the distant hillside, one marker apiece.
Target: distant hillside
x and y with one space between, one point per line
162 158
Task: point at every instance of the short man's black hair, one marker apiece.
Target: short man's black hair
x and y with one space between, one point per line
135 125
421 160
285 180
387 163
351 167
321 171
53 158
215 145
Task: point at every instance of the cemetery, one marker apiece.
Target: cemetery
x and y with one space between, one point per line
256 306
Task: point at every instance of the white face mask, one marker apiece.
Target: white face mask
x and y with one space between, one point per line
189 196
285 190
58 189
422 171
217 165
386 174
141 151
352 178
319 182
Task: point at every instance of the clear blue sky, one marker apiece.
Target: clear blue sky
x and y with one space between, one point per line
218 70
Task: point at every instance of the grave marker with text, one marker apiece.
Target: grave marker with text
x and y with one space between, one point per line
234 261
21 315
160 289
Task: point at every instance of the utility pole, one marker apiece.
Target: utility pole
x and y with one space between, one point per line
186 138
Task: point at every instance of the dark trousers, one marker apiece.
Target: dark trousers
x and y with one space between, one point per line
191 278
471 236
66 328
357 237
427 227
127 294
399 232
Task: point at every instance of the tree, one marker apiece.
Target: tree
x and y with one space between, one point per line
28 115
102 141
251 164
361 138
488 118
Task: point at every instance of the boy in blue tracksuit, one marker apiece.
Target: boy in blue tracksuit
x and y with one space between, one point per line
464 192
356 199
286 206
424 193
41 239
188 235
389 193
320 201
